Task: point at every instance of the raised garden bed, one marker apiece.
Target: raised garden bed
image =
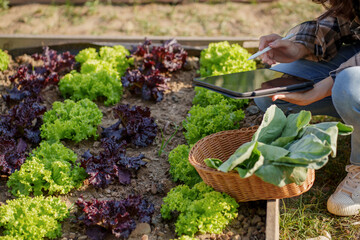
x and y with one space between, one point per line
153 181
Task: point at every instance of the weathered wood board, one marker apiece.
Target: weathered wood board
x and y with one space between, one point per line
193 45
76 2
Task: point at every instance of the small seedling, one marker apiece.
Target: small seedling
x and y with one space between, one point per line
164 142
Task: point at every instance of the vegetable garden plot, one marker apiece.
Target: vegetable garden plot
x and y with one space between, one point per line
150 179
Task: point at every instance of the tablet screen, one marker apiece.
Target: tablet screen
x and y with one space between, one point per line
251 83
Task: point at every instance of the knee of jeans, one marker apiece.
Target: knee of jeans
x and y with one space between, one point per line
263 103
346 87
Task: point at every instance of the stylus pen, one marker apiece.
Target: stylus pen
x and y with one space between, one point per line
268 48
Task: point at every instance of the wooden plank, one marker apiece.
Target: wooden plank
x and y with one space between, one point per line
116 2
272 220
192 44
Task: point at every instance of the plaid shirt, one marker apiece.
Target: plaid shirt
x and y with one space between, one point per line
324 38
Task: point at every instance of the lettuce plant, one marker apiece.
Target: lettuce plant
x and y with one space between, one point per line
71 120
23 121
4 60
51 168
111 164
99 76
180 168
151 86
100 83
32 218
204 97
29 80
223 58
169 57
203 121
12 155
115 57
137 126
201 209
117 217
150 79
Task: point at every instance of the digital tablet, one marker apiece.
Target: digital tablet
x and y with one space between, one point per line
256 83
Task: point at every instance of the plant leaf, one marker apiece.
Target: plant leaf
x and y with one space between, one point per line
213 162
272 125
241 155
272 152
309 151
295 122
249 166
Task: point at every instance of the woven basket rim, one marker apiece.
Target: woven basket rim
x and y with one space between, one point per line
199 166
226 132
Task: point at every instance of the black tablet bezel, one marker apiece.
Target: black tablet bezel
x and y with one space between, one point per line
306 85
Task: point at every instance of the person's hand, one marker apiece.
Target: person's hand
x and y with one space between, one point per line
283 51
321 90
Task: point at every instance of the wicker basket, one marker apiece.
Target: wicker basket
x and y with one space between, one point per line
222 145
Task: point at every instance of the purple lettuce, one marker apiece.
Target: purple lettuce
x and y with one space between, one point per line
119 217
150 80
12 155
23 121
112 163
137 128
168 57
151 86
29 81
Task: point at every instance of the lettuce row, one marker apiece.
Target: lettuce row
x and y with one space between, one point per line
71 120
32 218
284 148
4 60
222 58
212 112
201 208
180 167
51 169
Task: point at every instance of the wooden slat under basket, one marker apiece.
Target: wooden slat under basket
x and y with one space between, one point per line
222 145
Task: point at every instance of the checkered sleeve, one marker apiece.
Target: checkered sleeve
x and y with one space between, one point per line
322 37
353 61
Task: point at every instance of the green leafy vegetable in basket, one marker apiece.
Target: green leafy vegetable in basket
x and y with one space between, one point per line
4 60
71 120
284 148
201 208
223 58
203 121
51 168
180 167
32 218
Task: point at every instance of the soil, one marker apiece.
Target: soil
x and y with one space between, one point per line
152 181
192 19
